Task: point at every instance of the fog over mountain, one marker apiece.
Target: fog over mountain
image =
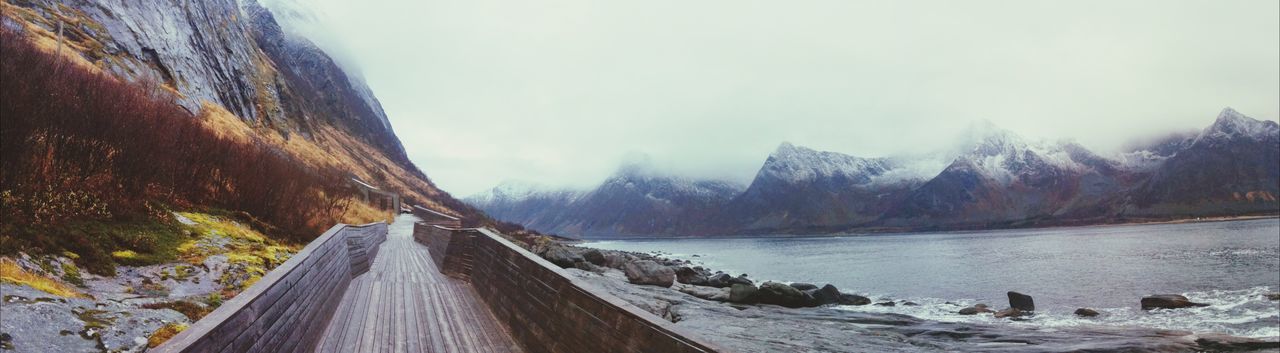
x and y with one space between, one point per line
558 91
989 178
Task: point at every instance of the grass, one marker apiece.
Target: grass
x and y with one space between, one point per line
191 310
248 250
106 243
10 272
93 164
165 333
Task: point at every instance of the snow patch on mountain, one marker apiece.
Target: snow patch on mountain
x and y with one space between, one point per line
797 164
1003 155
518 190
1232 125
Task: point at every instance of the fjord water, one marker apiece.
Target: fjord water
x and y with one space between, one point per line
1229 265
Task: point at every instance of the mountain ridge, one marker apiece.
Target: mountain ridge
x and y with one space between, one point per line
992 178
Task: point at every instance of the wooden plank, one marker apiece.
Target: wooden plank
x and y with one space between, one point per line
403 304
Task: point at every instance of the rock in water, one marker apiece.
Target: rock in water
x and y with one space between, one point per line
887 304
743 293
1168 301
1021 302
649 272
854 299
781 294
828 294
975 310
1086 312
1272 296
1222 342
1010 313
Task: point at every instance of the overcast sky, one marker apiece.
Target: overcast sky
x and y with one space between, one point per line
558 91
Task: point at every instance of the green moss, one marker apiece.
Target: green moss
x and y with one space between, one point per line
191 310
45 265
71 274
214 300
182 272
164 334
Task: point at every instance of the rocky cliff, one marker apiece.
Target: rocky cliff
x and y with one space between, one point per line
230 57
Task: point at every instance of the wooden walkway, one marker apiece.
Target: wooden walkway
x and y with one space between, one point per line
403 304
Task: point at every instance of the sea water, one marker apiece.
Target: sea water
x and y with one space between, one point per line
1228 265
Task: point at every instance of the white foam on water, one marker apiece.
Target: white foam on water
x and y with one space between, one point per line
1245 312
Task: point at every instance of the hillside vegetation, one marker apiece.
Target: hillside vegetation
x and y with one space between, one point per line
93 165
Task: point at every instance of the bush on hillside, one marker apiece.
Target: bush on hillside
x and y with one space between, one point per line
81 146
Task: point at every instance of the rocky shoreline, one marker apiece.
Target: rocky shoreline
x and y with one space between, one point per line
735 312
138 307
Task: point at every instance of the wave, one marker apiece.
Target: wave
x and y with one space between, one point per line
1244 312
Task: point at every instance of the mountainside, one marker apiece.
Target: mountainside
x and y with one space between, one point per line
534 206
991 178
231 63
800 188
635 200
1231 167
1001 177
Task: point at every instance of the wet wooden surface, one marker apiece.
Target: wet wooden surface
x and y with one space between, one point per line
403 304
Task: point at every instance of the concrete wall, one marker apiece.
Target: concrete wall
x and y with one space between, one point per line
547 310
287 310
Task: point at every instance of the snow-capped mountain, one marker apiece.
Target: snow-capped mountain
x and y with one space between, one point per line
636 200
1231 167
991 177
535 206
798 187
795 164
999 176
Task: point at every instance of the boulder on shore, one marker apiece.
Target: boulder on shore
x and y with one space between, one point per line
1021 302
1086 312
803 286
561 256
690 275
853 299
743 293
741 280
828 294
781 294
649 272
708 293
615 260
1168 301
596 257
720 280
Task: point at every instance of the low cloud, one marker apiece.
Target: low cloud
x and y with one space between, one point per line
558 91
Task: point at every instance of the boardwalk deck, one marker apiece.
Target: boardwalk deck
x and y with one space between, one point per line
403 304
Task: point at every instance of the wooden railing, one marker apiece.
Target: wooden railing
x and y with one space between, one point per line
545 308
287 310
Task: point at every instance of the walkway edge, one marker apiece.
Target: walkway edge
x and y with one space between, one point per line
281 312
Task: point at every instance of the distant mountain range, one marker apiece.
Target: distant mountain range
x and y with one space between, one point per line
992 179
